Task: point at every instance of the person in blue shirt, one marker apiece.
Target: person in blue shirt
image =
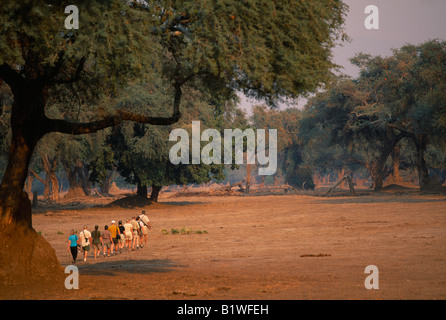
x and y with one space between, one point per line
72 245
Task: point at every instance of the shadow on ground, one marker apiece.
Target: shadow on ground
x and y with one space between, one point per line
112 268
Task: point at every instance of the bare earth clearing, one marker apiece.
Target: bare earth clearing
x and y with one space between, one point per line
262 247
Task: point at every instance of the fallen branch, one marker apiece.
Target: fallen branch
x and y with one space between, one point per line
287 187
237 184
344 178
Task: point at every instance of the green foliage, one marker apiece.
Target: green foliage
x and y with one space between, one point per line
406 89
337 136
182 231
141 152
360 121
76 81
289 144
113 37
102 161
269 50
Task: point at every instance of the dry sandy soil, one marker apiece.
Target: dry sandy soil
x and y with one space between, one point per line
263 247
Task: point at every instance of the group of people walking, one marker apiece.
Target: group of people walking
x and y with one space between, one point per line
114 239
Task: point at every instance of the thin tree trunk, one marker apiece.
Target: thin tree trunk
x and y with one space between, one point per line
54 185
317 178
29 184
44 182
47 189
262 182
396 164
35 199
37 176
248 177
340 175
276 181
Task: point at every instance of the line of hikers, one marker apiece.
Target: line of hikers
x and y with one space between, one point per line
113 239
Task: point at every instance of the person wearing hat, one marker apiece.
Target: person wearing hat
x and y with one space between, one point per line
114 230
136 237
145 226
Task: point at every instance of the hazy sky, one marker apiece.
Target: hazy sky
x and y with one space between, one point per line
400 22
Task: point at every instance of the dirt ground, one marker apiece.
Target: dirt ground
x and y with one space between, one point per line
262 247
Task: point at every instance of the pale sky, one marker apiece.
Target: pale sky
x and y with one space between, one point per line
400 22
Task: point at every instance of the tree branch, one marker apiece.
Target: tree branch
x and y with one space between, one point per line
9 75
403 131
64 126
48 76
75 77
37 176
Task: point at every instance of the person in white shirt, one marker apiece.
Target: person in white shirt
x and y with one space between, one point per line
128 233
85 237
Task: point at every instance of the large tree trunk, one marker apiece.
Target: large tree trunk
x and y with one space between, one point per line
51 178
155 193
423 171
77 186
378 179
15 204
74 186
107 182
85 178
377 173
378 168
426 183
141 191
24 254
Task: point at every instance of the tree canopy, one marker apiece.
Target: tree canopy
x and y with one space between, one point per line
361 121
269 50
